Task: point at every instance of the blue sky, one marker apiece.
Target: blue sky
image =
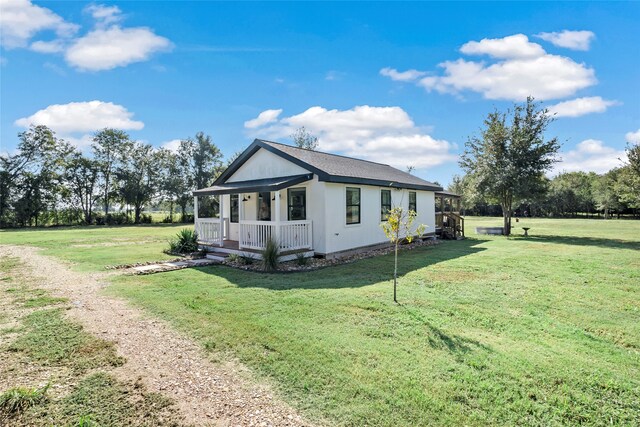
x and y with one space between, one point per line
399 83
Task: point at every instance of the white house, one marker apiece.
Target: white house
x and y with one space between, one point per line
318 203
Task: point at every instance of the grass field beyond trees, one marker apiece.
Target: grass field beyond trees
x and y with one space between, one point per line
490 330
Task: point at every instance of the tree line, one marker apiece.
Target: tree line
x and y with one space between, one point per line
567 195
506 169
50 182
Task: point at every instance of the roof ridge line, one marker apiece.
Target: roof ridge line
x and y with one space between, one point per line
328 154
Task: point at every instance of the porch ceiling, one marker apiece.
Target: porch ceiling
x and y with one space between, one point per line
254 186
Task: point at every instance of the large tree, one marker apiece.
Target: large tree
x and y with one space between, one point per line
30 179
202 158
633 156
605 194
509 158
629 179
627 187
463 186
81 177
176 186
570 193
304 139
139 177
110 147
200 163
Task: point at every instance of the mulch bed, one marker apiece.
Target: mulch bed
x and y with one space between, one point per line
317 263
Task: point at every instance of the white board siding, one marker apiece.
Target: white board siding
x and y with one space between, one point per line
264 164
341 236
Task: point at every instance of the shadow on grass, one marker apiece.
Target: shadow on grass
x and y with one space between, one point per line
437 339
352 275
582 241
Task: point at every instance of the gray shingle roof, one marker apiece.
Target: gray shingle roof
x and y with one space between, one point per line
334 168
348 167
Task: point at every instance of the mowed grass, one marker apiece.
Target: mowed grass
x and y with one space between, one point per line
93 248
490 330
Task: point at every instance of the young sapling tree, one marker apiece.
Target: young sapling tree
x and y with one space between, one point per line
399 227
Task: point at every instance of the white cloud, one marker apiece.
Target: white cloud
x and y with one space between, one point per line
581 106
402 76
576 40
590 155
104 15
53 46
333 75
74 122
380 134
633 137
55 68
104 49
521 69
77 117
545 77
172 145
267 116
516 46
20 20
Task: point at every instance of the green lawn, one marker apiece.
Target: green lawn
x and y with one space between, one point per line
490 330
93 248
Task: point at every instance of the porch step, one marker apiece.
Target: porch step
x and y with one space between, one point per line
217 256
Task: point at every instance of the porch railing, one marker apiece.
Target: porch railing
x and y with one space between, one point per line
296 235
208 230
292 235
451 223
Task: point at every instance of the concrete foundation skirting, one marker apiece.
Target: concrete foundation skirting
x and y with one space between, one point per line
355 251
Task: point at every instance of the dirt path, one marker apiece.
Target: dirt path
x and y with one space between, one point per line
167 362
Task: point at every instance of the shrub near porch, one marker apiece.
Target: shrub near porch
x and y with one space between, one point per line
544 330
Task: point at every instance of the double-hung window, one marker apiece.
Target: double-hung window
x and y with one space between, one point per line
385 204
353 205
413 206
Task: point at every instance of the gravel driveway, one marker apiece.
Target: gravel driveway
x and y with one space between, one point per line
206 393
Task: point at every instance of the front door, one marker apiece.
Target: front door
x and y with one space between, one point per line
234 217
264 206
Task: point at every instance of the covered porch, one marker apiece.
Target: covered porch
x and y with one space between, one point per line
244 215
449 220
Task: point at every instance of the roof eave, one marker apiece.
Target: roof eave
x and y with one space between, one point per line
380 183
254 186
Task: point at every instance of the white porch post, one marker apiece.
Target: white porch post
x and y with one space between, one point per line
240 218
195 215
221 208
278 217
